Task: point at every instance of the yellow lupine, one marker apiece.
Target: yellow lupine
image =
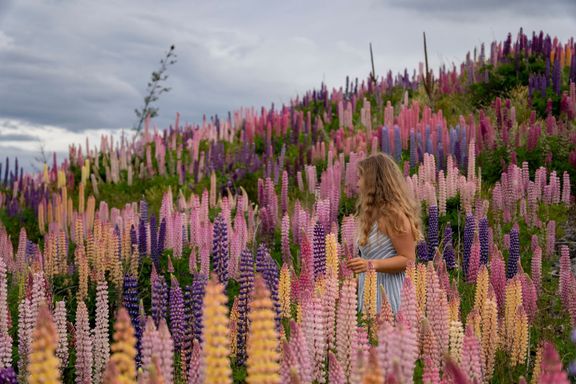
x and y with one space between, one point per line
262 345
121 368
234 328
79 231
370 286
43 363
216 347
45 176
454 308
421 286
82 265
81 204
481 288
512 300
411 271
456 339
61 179
490 334
90 209
284 291
520 342
332 263
475 321
41 220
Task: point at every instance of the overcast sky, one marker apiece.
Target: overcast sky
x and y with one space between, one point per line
76 68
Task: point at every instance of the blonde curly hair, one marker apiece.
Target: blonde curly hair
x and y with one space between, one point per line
385 195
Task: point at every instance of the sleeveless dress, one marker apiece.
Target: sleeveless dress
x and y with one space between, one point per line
379 246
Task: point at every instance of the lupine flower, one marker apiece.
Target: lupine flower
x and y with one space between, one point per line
437 308
166 349
346 323
26 323
8 376
262 344
537 368
468 239
551 367
430 374
83 346
429 345
319 245
520 341
490 333
285 240
335 372
220 250
43 367
536 269
432 231
130 300
471 355
150 344
529 296
330 296
448 251
373 373
269 270
550 238
195 374
513 300
370 286
514 258
474 261
121 367
422 251
159 305
302 355
484 241
62 348
198 292
498 279
177 313
216 345
284 291
421 282
482 283
5 338
332 258
246 286
456 340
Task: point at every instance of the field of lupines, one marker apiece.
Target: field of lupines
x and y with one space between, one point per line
217 252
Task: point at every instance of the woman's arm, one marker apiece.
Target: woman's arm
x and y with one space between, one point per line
404 245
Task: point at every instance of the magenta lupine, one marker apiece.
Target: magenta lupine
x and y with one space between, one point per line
319 245
551 371
101 332
166 352
5 338
83 346
285 240
335 372
346 323
514 258
220 252
246 287
177 313
550 238
536 269
498 279
61 329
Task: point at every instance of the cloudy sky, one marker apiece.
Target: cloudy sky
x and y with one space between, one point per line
76 68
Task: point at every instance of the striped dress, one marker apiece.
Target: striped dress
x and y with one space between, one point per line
379 246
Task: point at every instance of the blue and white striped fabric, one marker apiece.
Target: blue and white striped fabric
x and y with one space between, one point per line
379 246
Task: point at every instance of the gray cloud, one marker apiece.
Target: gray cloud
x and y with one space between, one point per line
17 137
84 65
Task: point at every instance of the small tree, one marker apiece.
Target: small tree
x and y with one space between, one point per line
155 89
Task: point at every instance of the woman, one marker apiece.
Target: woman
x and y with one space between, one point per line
388 227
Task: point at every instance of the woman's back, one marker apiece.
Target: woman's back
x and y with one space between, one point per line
379 246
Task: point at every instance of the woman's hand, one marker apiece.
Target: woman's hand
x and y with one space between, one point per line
358 265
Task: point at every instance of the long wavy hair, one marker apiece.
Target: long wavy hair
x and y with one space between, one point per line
385 195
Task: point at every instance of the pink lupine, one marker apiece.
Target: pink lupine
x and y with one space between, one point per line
408 306
301 352
437 308
536 269
101 332
388 346
83 346
498 279
285 240
565 275
166 351
550 238
318 338
474 262
359 356
178 223
442 193
566 188
346 323
195 375
471 356
529 297
408 353
150 344
330 297
289 366
61 329
5 338
431 374
335 372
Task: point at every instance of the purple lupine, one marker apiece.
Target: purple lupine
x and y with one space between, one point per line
188 323
220 254
131 302
198 290
484 240
177 327
159 305
432 231
514 257
468 239
161 238
8 376
319 246
413 149
422 251
269 269
449 257
246 286
154 242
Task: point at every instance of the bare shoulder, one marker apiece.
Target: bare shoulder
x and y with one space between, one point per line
385 228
